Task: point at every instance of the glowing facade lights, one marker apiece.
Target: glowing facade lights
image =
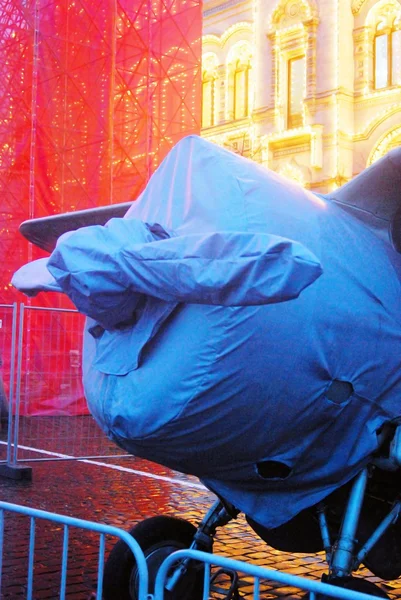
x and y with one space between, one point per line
312 110
388 141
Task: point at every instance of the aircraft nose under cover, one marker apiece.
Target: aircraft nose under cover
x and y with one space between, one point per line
303 378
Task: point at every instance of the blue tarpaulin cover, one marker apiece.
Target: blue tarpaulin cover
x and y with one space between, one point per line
223 309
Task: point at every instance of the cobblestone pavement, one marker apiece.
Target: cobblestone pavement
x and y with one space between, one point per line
120 492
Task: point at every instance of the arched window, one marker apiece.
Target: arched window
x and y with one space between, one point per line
390 140
386 53
295 91
208 91
209 77
239 64
292 32
384 29
241 90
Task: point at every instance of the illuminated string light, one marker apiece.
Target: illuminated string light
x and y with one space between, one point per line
292 172
377 119
385 142
292 30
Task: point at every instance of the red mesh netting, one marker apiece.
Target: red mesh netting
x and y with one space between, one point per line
93 95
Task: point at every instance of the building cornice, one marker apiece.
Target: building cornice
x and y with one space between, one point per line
221 40
228 128
218 6
376 121
356 6
377 96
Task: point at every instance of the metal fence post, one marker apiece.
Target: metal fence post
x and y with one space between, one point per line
11 469
12 382
19 377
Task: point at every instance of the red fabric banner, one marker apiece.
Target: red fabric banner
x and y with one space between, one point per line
94 94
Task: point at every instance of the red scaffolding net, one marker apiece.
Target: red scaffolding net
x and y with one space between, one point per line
93 95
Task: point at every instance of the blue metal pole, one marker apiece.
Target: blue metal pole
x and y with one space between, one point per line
206 583
256 589
324 531
64 563
343 553
100 567
30 559
391 518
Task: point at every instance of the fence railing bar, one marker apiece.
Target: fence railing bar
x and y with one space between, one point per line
46 309
76 458
206 582
64 563
12 380
31 558
64 519
18 391
256 589
100 567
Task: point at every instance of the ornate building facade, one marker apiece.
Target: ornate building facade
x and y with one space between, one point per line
309 88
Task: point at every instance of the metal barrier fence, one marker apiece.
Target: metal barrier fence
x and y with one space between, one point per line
8 333
14 552
41 381
255 580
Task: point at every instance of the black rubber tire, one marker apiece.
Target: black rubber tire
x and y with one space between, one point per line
158 537
357 584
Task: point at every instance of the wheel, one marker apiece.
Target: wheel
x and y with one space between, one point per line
357 584
158 537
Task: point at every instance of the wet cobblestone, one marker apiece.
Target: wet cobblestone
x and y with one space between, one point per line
100 493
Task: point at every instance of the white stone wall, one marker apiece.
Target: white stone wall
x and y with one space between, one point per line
345 124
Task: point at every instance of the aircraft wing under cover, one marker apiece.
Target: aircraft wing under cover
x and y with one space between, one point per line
222 392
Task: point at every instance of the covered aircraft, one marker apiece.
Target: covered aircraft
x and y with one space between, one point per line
241 328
